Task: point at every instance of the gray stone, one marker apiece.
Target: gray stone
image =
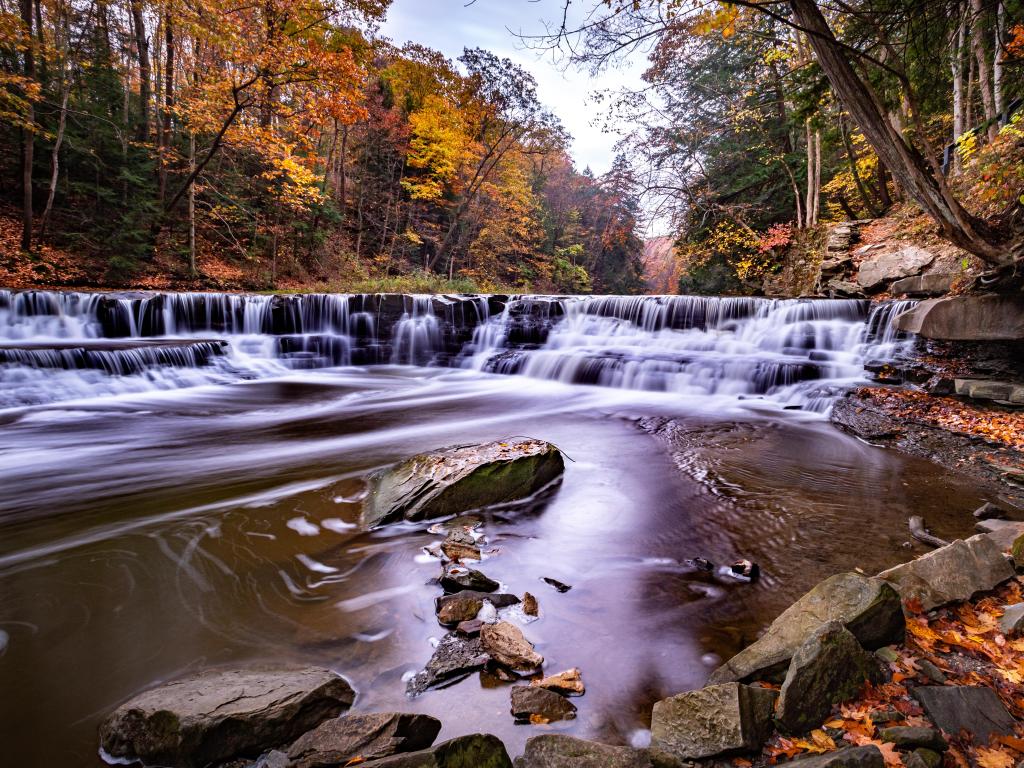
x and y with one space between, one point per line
929 757
951 573
335 742
460 545
1002 532
465 605
829 668
1012 620
886 267
216 715
553 750
868 607
975 709
851 757
505 643
935 284
454 658
843 289
458 577
539 705
967 318
906 738
459 479
931 671
476 751
984 389
989 511
712 721
836 264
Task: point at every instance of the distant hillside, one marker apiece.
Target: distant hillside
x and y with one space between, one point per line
660 265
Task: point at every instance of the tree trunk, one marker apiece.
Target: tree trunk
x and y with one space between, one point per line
142 50
192 206
28 133
904 161
984 73
851 158
957 65
55 157
168 103
997 58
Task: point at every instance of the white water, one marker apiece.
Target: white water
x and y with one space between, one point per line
799 353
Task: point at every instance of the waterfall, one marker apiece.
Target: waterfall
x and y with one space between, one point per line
796 352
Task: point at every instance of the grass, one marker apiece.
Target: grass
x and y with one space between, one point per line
415 282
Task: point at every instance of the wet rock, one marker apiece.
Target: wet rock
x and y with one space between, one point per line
469 628
887 654
908 738
990 511
335 742
460 546
745 569
975 709
930 671
220 714
458 577
465 605
563 588
829 668
951 573
967 318
935 284
929 758
878 270
712 721
459 479
568 683
468 523
851 757
454 658
538 705
506 644
553 750
1002 532
1012 620
530 607
476 751
868 607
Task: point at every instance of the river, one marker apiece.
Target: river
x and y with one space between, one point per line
180 476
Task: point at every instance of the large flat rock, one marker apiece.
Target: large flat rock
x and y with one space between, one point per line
951 573
868 607
553 750
875 271
216 715
975 709
367 736
455 480
967 318
478 750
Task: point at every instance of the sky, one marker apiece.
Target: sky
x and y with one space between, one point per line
451 25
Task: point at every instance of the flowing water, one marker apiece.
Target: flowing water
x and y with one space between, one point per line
180 476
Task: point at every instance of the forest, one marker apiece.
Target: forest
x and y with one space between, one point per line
285 143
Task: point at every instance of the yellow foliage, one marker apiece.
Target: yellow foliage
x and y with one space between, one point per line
438 148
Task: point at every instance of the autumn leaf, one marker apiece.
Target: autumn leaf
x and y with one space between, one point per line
994 758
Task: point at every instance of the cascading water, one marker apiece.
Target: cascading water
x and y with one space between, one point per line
796 352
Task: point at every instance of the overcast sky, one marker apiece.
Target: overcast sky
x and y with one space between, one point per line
450 26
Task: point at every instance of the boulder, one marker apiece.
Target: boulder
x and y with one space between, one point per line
966 318
975 709
476 751
216 715
454 658
1002 532
951 573
460 545
712 721
989 511
935 284
335 742
829 668
907 737
538 705
458 577
984 389
568 683
465 605
851 757
868 607
1012 620
843 289
552 750
506 644
875 271
459 479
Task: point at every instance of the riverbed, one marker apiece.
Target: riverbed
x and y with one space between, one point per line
149 531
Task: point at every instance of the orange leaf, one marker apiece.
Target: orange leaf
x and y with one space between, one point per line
994 758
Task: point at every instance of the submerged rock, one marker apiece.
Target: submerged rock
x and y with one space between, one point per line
975 709
530 607
459 479
539 705
465 605
829 668
563 588
369 736
951 573
506 644
868 607
216 715
568 683
553 750
712 721
454 658
479 750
